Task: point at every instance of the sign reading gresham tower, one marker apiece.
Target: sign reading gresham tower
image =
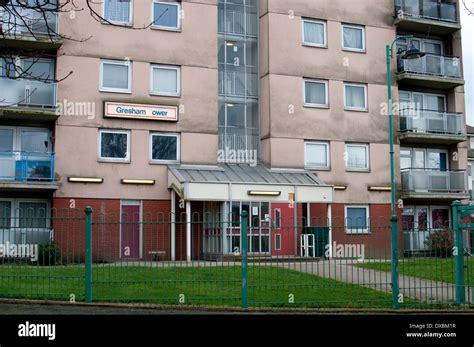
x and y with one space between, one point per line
141 111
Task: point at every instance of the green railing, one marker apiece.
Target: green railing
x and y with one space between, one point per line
76 255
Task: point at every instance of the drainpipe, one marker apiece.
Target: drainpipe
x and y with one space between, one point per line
173 225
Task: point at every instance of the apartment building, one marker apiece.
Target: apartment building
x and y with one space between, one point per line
272 107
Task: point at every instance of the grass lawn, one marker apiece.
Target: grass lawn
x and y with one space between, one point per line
436 269
216 285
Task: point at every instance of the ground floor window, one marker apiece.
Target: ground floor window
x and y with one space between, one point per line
25 221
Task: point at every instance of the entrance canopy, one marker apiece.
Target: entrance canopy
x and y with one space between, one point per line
242 182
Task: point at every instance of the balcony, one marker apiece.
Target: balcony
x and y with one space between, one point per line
27 28
434 184
239 149
238 84
437 17
435 71
27 99
425 126
27 170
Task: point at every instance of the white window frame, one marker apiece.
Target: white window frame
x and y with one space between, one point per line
310 166
366 99
15 211
275 219
471 142
312 44
107 21
366 146
114 160
166 67
160 27
178 148
326 90
277 244
115 62
367 213
351 26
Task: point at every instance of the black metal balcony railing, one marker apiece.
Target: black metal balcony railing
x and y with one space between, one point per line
431 122
427 9
26 166
434 181
432 65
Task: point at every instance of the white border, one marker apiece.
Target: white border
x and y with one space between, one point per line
350 26
178 148
114 160
367 214
366 146
326 88
130 21
138 203
115 62
160 27
352 108
312 44
308 165
166 67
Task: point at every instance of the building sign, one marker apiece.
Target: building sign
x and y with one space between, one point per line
141 111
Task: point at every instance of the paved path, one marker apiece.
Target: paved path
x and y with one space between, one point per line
412 287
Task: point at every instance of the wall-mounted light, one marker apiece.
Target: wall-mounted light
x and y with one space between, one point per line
263 193
340 187
380 188
229 43
85 179
132 181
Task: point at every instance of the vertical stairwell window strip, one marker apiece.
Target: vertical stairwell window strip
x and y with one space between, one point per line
166 15
353 38
316 93
118 11
314 33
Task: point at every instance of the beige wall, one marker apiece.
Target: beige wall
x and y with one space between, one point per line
194 49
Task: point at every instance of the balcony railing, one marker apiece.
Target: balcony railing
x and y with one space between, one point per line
427 9
238 148
236 83
431 122
20 21
432 65
434 181
29 93
26 166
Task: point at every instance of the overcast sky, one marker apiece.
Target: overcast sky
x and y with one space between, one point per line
467 22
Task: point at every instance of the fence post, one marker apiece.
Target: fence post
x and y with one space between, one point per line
458 255
244 248
88 254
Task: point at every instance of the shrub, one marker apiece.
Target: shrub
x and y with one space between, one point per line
441 243
47 254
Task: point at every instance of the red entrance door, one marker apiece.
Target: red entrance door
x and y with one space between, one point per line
283 232
130 231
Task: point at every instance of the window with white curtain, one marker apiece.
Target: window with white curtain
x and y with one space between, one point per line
316 93
317 155
353 38
115 76
314 33
355 96
357 157
118 11
165 80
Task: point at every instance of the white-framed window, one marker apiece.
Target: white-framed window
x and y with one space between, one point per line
118 11
166 15
316 155
353 38
114 145
316 93
357 157
471 142
357 219
115 76
164 148
355 97
165 80
277 242
314 33
277 218
31 214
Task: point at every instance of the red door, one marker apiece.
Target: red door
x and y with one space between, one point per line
130 232
283 232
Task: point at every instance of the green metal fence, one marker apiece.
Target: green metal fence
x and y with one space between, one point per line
74 255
